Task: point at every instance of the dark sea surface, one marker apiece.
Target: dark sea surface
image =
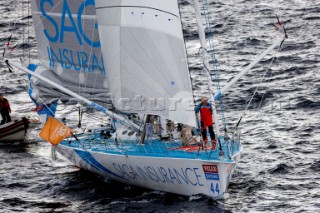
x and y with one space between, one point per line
280 167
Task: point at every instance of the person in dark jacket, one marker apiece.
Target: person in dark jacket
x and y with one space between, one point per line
205 109
5 110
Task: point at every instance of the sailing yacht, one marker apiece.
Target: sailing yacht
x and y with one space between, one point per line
128 59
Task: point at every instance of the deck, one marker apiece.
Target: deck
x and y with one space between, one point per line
152 148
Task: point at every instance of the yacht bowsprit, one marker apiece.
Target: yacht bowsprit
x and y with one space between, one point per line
145 84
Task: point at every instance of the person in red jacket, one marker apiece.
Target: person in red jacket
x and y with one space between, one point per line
205 109
5 110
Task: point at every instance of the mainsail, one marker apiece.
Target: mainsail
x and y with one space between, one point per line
69 50
145 58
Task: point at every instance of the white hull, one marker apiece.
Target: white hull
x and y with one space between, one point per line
17 136
17 130
176 175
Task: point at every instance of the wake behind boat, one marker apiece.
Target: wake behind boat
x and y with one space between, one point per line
132 56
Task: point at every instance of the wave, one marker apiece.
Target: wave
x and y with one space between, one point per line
307 103
281 168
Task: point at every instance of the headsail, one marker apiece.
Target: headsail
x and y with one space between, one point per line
69 49
145 58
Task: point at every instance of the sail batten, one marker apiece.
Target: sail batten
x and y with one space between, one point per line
139 7
167 6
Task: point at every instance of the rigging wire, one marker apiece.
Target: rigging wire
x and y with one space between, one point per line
262 78
91 116
9 38
257 88
91 47
86 74
46 105
44 17
36 24
188 63
80 87
28 28
277 59
214 62
81 65
23 44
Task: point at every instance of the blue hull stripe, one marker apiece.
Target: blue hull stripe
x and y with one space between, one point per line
89 159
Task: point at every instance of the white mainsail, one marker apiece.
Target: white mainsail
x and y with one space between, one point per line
69 49
145 58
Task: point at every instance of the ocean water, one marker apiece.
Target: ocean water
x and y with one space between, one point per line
280 167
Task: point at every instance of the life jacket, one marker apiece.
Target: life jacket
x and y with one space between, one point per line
206 115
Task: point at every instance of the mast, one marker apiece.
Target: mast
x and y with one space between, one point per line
206 59
73 94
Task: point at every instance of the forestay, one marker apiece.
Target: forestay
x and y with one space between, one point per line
145 58
69 49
